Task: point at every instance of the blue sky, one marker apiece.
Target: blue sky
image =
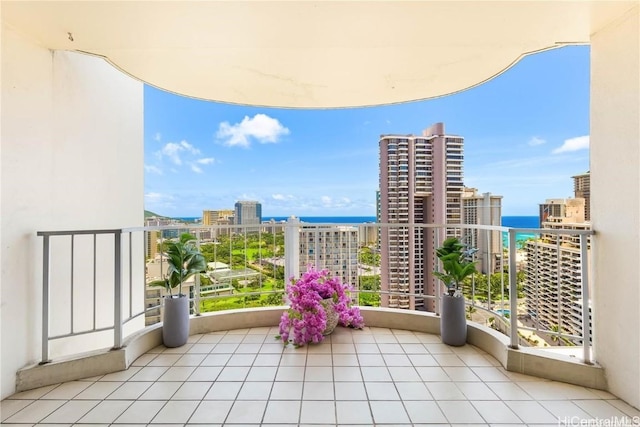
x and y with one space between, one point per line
526 133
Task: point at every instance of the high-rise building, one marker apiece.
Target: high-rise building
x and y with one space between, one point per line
248 213
334 248
421 181
582 189
216 217
483 209
552 287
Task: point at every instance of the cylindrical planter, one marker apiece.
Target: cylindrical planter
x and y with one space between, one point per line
453 323
332 315
175 322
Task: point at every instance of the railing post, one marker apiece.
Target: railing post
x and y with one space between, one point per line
196 286
117 290
291 249
513 289
586 310
45 300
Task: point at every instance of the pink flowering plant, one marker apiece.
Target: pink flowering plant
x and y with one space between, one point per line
306 319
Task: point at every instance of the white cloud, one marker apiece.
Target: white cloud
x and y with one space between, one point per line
157 136
573 144
534 141
282 197
261 127
196 168
172 150
153 169
206 161
326 201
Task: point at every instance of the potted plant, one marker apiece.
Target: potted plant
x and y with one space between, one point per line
318 303
184 260
457 265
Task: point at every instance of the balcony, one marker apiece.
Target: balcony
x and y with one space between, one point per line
232 360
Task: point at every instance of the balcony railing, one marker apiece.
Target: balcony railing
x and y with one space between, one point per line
95 292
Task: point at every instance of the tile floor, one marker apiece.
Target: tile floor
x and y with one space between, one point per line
370 377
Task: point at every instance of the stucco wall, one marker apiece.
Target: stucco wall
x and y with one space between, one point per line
72 157
615 202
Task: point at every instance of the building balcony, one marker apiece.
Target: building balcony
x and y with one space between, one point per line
232 361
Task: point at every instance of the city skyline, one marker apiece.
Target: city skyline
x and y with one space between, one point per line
526 132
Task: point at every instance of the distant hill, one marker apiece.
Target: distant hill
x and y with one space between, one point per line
148 214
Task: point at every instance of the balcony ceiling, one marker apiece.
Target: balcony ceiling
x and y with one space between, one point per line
311 54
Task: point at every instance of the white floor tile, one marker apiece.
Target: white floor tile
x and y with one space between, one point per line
318 412
460 373
255 391
293 360
223 391
403 374
219 359
562 409
67 390
374 373
389 412
164 360
532 412
413 391
246 412
418 348
195 390
432 373
106 411
318 373
345 360
224 348
262 373
424 412
175 411
448 360
282 411
459 412
209 412
141 412
290 373
319 360
346 373
121 375
205 373
489 373
370 360
35 412
445 391
241 359
10 407
350 391
381 391
36 393
600 409
149 373
353 412
161 390
201 348
422 360
99 390
476 391
396 360
177 373
508 391
71 411
318 391
267 360
286 390
495 412
367 348
390 348
130 390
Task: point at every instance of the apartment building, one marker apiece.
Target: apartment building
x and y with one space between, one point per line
483 209
582 189
248 212
421 181
332 247
553 287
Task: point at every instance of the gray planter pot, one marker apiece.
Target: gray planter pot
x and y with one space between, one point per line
175 321
453 323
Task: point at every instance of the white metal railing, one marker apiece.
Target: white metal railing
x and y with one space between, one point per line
94 281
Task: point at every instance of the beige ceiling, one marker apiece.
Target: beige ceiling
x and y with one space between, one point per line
311 54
